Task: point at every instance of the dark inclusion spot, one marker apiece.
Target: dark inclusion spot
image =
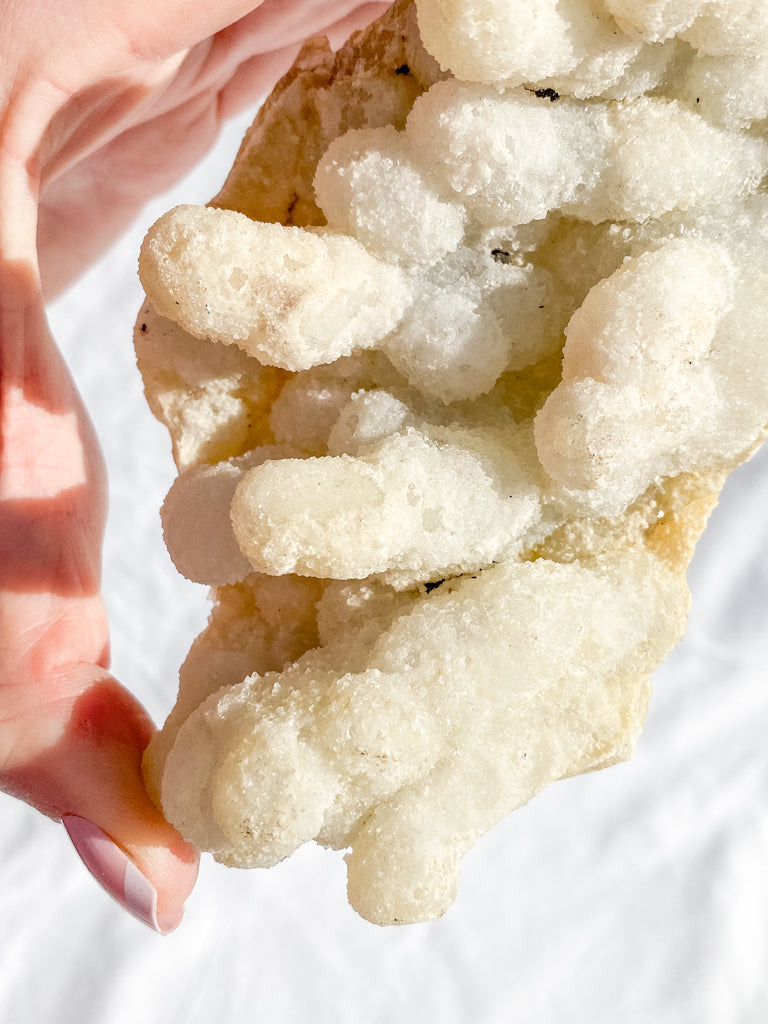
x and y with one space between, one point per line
433 585
501 255
143 328
547 94
403 70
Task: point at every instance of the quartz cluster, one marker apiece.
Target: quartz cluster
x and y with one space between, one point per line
454 367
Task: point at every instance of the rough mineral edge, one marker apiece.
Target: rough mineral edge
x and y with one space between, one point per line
213 399
666 521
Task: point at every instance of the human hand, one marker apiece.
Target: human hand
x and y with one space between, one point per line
101 105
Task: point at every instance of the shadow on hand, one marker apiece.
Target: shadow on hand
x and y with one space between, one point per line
100 740
52 480
45 545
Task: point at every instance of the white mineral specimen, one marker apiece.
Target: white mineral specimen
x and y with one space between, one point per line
639 397
476 316
490 688
514 41
368 186
512 159
654 20
288 297
195 517
448 433
410 506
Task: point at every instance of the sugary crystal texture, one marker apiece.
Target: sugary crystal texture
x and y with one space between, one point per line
448 433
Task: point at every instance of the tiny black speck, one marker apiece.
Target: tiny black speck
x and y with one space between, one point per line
143 328
403 70
547 94
501 255
433 585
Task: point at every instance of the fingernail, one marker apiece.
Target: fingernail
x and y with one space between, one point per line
114 870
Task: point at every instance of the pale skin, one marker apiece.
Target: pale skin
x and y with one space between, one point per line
102 104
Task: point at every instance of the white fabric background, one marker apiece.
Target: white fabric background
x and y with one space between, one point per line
637 894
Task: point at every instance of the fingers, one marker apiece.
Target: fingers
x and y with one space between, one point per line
88 773
155 31
255 75
71 738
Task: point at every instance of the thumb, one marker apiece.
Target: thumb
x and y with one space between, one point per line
89 775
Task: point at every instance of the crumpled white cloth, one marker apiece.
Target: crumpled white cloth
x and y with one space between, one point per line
638 894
